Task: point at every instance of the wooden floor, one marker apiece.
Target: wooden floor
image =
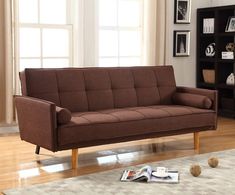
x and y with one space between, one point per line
19 166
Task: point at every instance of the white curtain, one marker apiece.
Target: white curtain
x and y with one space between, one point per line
86 33
9 68
91 33
155 30
11 61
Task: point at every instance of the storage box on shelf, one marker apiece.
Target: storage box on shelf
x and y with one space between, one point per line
208 76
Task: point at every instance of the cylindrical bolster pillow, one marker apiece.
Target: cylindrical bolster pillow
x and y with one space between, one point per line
193 100
63 115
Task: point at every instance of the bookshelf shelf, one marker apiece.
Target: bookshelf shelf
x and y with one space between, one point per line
222 67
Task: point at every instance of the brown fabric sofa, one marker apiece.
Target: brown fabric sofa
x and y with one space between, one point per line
71 108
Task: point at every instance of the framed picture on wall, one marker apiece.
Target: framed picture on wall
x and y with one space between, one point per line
182 11
181 43
230 27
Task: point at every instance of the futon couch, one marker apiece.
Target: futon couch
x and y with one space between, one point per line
71 108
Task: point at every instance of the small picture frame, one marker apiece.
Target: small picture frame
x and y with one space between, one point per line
182 11
230 27
181 43
208 25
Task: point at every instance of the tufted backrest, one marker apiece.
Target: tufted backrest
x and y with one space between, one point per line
90 89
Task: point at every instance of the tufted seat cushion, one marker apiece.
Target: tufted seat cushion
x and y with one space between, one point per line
114 123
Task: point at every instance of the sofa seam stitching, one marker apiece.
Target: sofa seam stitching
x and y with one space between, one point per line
154 71
56 76
152 118
139 113
111 87
133 77
85 88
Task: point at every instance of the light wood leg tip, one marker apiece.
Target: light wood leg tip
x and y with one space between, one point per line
196 141
74 159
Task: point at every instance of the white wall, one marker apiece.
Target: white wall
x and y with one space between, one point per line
222 2
184 67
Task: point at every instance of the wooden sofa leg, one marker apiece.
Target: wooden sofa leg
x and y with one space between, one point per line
37 150
74 159
196 141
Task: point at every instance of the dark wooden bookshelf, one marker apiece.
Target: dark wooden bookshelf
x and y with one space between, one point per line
207 35
206 85
207 59
225 60
225 86
226 34
222 67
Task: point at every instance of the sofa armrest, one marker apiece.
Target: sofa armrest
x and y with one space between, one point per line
212 94
37 121
63 115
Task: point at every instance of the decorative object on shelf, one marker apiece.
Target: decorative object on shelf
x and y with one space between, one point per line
182 11
230 47
195 170
231 79
181 43
230 27
208 76
227 55
213 162
208 25
210 50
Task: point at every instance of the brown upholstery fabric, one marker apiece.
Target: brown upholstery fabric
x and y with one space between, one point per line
91 89
98 89
146 87
166 84
115 123
23 83
193 100
42 84
211 94
71 87
124 98
113 104
121 78
124 93
63 115
37 121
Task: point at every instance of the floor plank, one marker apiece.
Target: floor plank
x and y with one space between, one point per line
19 166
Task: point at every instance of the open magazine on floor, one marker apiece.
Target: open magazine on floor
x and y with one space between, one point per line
147 174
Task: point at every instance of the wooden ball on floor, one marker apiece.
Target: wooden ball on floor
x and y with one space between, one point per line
213 162
195 170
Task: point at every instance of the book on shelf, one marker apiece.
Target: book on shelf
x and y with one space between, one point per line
148 174
208 25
